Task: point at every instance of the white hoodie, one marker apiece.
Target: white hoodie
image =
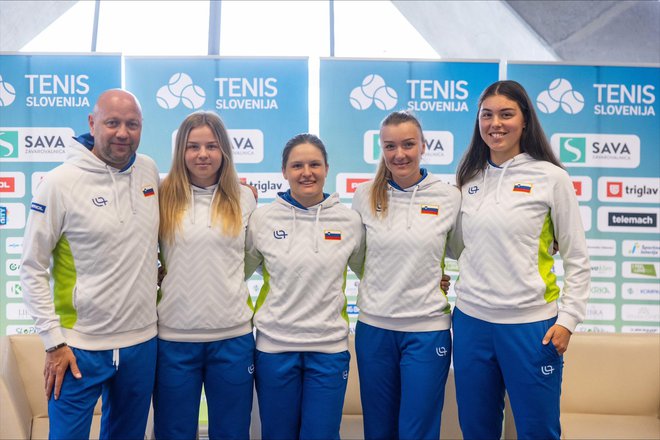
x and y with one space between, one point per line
100 226
304 253
204 295
400 287
510 217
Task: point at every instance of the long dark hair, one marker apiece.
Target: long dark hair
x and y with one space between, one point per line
533 140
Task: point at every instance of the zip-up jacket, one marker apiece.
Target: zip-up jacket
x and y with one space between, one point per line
92 233
304 254
510 217
204 295
400 288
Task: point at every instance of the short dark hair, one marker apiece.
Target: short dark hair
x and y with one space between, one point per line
303 138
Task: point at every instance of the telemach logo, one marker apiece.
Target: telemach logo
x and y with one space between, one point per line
649 220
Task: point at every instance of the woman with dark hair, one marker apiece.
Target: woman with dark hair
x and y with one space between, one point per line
403 344
303 242
204 313
510 324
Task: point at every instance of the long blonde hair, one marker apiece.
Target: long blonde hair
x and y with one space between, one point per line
378 194
175 193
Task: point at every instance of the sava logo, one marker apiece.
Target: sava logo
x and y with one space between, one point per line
597 150
34 144
438 147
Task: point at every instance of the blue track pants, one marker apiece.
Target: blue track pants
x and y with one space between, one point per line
224 367
301 394
124 378
402 381
489 358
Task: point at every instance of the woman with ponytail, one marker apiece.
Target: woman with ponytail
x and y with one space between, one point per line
403 343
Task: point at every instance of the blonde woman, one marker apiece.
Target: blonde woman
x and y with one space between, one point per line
204 313
403 344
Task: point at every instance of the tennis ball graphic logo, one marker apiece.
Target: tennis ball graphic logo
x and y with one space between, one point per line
385 98
166 99
193 96
373 91
560 93
359 100
371 83
180 88
7 93
545 103
572 102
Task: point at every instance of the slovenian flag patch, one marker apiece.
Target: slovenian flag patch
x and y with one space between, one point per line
429 209
332 235
522 187
148 191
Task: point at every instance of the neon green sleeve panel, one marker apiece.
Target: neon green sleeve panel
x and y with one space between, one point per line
344 312
446 310
546 261
264 289
64 280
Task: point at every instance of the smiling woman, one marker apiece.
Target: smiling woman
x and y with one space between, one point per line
303 242
204 312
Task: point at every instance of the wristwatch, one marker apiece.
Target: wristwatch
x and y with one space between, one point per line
55 347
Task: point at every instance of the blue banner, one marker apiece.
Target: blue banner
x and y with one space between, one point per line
356 95
263 103
603 125
44 101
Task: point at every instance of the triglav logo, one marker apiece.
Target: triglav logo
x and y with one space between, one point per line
180 88
373 91
7 93
560 93
8 144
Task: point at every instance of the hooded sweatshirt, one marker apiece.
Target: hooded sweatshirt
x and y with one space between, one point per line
304 254
204 295
100 226
510 217
400 287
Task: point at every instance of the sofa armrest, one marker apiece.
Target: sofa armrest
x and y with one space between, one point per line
15 412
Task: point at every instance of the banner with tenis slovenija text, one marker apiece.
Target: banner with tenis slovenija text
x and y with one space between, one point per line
357 94
603 124
262 101
44 101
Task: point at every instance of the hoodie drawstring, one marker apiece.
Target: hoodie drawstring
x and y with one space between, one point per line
293 228
410 207
208 220
499 181
131 194
115 358
116 194
317 230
